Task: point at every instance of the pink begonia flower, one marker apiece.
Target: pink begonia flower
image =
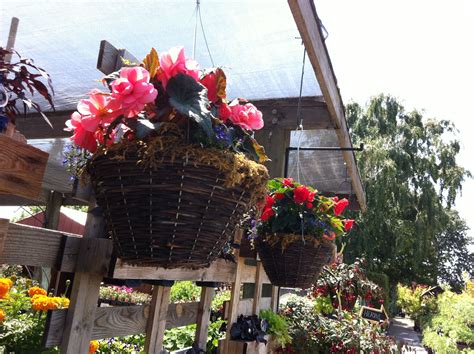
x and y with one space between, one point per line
133 90
247 116
82 137
99 108
174 62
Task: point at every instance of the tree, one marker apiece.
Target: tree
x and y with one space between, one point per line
453 258
411 179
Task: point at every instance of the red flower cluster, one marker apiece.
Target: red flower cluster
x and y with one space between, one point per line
302 195
268 211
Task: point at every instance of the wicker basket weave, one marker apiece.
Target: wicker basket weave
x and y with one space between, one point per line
177 215
298 265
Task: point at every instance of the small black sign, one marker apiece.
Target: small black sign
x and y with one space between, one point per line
372 314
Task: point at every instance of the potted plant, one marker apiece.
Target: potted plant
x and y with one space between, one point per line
173 163
21 166
296 232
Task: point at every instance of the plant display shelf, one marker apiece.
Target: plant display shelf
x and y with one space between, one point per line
90 259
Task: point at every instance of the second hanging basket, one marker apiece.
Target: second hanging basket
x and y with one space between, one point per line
177 211
296 265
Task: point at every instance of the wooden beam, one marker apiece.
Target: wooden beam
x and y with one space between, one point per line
220 271
21 168
120 321
203 317
33 126
307 21
277 113
281 113
33 246
110 58
156 323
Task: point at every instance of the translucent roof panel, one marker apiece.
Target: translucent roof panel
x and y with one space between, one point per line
324 170
255 41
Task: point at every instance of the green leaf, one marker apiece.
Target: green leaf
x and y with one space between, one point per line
189 98
143 127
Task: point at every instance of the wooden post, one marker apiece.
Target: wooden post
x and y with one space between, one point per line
85 289
203 317
11 37
257 296
228 347
52 214
155 328
275 298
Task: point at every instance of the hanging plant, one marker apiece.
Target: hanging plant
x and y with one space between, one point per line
20 78
183 157
296 219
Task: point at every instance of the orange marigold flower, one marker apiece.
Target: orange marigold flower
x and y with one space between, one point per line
36 290
93 346
2 315
40 302
5 286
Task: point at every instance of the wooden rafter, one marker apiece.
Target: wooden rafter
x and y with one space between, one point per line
307 21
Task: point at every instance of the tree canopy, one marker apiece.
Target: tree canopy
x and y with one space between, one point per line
411 179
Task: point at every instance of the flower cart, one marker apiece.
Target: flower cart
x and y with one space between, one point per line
296 232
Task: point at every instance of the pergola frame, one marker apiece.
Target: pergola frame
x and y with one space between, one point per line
90 256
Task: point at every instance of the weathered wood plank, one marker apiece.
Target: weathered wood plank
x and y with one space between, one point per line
275 141
220 271
227 347
203 317
110 58
85 290
121 321
156 323
275 298
4 225
245 306
33 246
249 272
257 296
21 168
306 18
277 114
280 113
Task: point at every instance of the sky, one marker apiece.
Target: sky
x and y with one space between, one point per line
420 51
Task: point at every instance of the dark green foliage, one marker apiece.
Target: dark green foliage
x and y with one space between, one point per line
277 327
381 280
411 179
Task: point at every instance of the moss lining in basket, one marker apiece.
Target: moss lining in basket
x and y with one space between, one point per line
173 163
296 232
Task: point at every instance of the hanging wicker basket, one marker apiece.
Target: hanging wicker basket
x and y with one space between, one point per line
178 213
297 265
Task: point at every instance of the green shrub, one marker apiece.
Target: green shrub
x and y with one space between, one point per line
277 327
342 332
416 305
453 323
185 291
